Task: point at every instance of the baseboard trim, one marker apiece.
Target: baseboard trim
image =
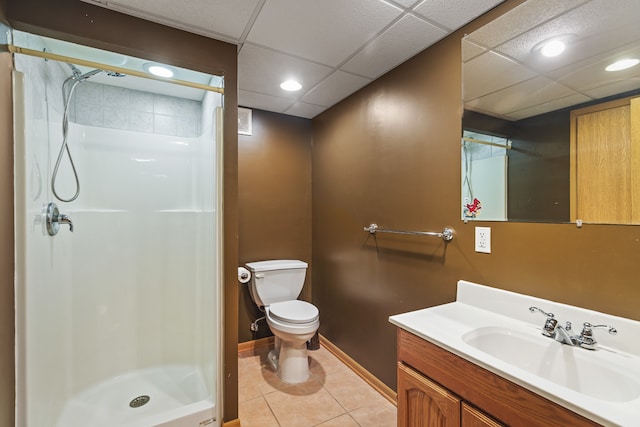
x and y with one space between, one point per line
232 423
252 346
367 376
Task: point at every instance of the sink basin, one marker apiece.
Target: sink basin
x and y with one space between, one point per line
600 374
495 330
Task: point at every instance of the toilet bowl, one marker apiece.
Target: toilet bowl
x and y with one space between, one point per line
274 287
293 323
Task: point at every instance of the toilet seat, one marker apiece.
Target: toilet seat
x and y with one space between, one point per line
294 317
294 311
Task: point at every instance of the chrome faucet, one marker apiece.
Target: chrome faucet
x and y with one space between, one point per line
585 340
549 328
54 218
562 335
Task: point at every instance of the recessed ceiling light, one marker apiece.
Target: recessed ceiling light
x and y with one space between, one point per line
158 69
290 85
623 64
552 48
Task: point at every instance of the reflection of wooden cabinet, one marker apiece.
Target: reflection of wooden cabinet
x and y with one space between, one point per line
605 162
438 388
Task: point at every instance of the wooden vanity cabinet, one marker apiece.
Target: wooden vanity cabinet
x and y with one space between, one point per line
439 388
473 417
421 402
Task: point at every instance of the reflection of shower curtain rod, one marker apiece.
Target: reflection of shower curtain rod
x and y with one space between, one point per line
479 141
91 64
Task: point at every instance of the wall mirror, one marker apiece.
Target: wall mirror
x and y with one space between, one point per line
551 122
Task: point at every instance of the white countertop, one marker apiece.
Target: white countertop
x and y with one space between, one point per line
478 306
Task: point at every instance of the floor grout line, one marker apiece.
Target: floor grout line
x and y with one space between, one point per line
323 365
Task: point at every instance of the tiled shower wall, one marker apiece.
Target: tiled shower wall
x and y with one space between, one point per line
121 108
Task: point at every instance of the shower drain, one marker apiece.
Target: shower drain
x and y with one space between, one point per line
139 401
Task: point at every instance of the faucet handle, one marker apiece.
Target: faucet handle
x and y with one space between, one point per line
549 325
539 310
586 340
588 328
54 218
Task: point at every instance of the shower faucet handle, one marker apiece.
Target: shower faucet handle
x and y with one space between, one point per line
54 218
64 219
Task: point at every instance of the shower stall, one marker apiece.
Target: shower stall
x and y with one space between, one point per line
118 314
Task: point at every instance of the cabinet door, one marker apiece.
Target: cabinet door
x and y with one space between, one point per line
423 403
472 417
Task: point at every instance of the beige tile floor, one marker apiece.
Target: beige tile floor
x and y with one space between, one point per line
334 396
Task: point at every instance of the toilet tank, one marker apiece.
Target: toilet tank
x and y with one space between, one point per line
276 280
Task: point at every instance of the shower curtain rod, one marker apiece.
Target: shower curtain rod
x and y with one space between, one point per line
91 64
479 141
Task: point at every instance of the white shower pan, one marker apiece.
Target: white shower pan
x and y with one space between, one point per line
167 390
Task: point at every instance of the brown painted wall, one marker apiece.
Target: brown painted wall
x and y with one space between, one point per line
7 368
79 22
391 154
3 11
274 198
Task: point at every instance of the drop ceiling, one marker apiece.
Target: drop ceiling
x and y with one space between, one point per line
332 47
506 77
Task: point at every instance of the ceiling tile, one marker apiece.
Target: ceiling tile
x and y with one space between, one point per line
549 105
590 74
221 19
471 50
490 73
538 90
305 110
453 14
308 40
336 87
520 20
327 31
406 3
614 88
618 23
262 70
400 42
263 102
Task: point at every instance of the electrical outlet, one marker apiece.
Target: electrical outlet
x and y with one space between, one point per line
483 239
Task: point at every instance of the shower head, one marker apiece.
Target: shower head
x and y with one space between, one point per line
77 74
89 74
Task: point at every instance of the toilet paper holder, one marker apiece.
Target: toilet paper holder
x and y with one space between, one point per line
244 275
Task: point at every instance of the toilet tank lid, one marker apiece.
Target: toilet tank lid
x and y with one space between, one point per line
276 264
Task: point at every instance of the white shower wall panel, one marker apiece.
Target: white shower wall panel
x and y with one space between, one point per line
137 304
42 377
124 170
136 226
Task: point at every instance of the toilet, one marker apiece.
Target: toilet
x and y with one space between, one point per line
275 286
